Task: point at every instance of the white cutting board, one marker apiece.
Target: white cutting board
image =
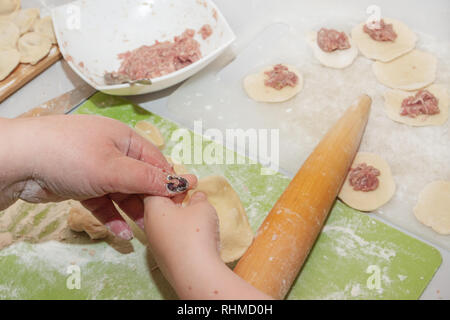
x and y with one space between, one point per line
276 34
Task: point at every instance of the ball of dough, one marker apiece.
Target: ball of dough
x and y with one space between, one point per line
235 232
256 89
150 132
371 200
9 6
433 206
44 26
413 71
393 101
81 220
385 50
33 47
9 34
9 59
24 19
337 59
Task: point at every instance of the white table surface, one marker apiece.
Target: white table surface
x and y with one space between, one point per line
59 79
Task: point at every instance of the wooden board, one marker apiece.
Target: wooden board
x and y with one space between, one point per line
25 72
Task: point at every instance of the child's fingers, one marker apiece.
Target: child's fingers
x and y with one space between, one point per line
197 197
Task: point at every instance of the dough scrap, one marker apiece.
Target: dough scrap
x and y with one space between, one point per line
9 6
413 71
385 50
33 47
255 88
9 34
44 26
150 132
372 200
9 59
24 19
235 232
393 101
433 206
81 220
337 59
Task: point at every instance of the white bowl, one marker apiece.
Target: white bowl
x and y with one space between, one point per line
92 33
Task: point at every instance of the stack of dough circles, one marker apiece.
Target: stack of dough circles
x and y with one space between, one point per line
44 26
33 47
413 71
385 50
235 232
7 7
393 101
433 206
9 34
9 59
24 19
337 59
371 200
256 89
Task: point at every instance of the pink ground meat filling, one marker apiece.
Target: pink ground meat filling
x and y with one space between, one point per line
364 178
205 31
385 32
330 40
280 77
423 102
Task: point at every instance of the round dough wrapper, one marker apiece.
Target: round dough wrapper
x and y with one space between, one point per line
9 34
9 6
393 101
24 19
372 200
150 132
337 59
33 47
433 206
235 232
255 88
44 26
385 50
9 59
179 168
413 71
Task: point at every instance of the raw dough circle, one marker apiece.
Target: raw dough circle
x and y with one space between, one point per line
44 26
235 232
385 50
9 6
372 200
9 59
337 59
255 88
413 71
33 47
24 19
150 132
9 34
433 206
179 168
393 101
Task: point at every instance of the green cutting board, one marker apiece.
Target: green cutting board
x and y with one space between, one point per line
355 257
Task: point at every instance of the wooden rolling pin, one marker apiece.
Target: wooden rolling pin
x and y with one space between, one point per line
288 233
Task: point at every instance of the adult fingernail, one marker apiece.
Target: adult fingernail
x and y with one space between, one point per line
120 228
176 184
140 223
199 196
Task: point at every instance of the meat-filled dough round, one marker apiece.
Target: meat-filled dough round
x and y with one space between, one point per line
385 50
413 71
44 26
337 59
433 206
9 34
393 102
9 6
33 47
9 59
235 232
256 89
371 200
24 19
